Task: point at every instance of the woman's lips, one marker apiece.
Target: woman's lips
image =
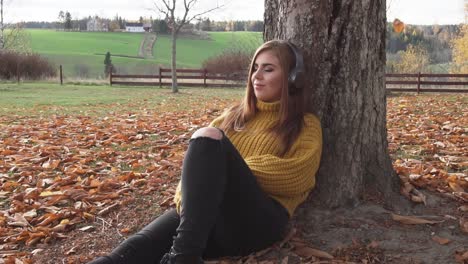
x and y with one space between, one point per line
258 86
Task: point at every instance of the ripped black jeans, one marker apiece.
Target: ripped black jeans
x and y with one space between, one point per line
224 212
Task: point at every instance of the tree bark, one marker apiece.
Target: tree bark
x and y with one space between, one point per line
344 51
2 28
173 62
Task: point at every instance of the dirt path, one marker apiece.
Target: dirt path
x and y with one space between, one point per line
147 45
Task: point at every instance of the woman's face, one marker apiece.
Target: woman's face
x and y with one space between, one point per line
267 77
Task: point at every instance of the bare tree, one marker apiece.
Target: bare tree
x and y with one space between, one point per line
15 38
176 23
344 50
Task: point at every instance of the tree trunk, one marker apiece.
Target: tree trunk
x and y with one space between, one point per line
344 51
2 28
173 64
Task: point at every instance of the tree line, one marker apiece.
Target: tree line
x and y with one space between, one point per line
66 22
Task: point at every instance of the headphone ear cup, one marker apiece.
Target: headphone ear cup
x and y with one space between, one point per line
292 86
296 75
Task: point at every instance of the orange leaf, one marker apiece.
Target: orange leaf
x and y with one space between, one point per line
455 187
441 240
413 220
461 256
464 224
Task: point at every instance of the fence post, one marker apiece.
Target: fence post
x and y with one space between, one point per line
160 78
110 77
61 75
205 71
419 81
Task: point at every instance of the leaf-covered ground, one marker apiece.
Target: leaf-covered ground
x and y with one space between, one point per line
73 184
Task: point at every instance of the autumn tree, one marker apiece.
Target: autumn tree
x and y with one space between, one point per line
344 52
460 48
413 60
175 23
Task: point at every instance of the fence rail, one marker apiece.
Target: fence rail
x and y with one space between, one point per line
399 82
164 78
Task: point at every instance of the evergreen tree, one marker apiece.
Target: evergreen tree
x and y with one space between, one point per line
108 66
68 21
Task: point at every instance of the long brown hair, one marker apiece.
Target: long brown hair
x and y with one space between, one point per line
291 111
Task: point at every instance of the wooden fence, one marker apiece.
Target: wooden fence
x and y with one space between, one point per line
398 82
198 77
405 82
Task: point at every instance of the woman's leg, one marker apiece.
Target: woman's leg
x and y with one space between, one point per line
249 220
203 179
148 245
222 203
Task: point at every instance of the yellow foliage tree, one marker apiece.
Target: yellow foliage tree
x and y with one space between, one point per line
460 52
413 60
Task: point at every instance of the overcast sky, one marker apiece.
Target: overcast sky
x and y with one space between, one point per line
409 11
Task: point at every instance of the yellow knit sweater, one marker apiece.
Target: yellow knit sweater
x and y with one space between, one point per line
287 179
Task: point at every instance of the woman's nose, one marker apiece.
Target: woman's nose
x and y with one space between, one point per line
257 75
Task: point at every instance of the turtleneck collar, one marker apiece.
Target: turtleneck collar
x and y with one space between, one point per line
268 107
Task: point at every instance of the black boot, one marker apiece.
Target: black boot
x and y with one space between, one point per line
174 258
134 250
102 260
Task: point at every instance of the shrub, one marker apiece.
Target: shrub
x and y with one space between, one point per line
415 59
229 63
29 66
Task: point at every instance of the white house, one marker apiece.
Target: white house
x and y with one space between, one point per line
134 27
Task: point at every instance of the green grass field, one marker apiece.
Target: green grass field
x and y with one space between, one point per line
41 98
81 53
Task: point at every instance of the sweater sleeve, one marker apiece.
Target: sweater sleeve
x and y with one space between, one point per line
293 174
217 121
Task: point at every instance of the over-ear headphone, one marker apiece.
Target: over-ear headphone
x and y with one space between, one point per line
296 74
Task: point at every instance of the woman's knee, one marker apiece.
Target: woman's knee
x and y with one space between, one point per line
210 132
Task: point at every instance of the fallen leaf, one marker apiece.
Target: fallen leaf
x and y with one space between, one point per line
49 193
461 195
87 228
464 224
71 251
307 252
455 187
441 240
125 230
461 256
413 220
414 177
108 209
18 220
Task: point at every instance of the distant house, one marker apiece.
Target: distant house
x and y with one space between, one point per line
97 24
134 27
147 27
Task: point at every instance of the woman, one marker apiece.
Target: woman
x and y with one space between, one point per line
242 177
